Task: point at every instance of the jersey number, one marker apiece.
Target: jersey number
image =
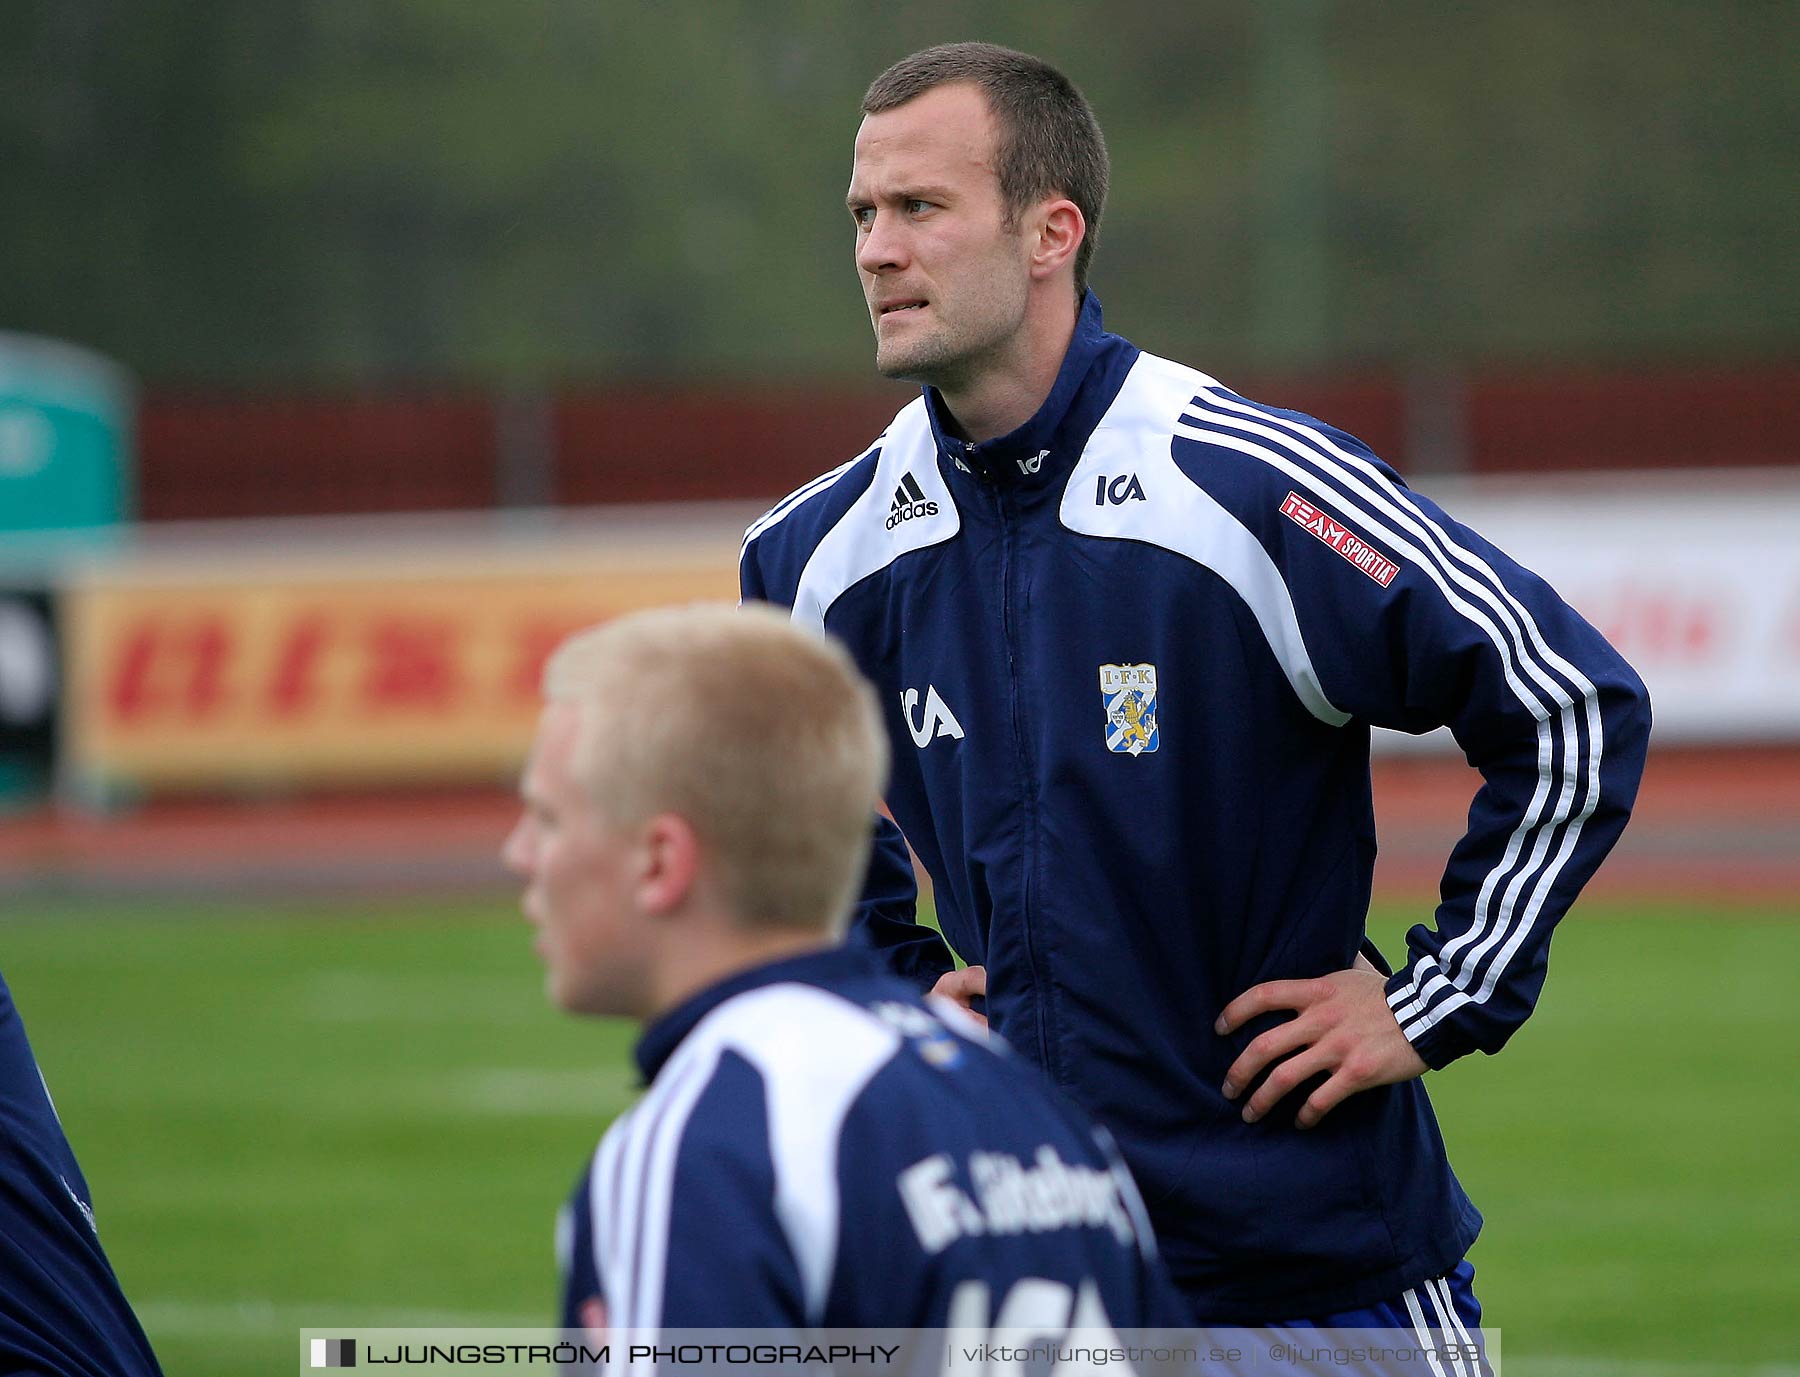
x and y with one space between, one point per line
1034 1311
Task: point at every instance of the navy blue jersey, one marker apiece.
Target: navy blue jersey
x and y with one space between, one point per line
61 1311
820 1148
1130 655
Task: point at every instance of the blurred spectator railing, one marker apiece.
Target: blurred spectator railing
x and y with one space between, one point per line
204 456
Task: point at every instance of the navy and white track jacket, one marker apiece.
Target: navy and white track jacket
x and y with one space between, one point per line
61 1311
818 1148
1129 656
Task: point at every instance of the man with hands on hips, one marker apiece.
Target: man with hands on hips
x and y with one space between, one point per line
1130 631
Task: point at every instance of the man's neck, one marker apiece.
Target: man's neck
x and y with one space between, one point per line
709 953
1004 397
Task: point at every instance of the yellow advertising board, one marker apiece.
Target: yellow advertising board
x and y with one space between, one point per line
331 676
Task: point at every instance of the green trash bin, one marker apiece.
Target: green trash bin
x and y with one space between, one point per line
66 484
65 441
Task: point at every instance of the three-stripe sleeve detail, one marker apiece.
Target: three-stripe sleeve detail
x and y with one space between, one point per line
1560 699
813 1053
631 1225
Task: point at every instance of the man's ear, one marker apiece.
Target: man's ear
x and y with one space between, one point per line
1060 229
669 861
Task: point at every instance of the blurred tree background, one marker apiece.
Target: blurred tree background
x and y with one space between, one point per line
237 192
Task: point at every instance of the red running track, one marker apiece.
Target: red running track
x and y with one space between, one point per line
1714 825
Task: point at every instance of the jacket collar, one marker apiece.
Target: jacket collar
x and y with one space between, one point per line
827 968
1049 444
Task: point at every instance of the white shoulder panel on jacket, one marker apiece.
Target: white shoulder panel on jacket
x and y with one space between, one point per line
1133 441
907 507
817 1052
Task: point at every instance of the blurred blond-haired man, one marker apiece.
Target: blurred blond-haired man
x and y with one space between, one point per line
817 1147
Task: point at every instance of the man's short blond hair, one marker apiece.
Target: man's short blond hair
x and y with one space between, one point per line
761 734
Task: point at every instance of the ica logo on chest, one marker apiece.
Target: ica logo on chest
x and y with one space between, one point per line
933 721
1116 491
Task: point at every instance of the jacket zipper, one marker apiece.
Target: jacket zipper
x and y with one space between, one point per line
1027 794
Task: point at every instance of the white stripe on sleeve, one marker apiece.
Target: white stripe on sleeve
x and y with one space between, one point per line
1360 491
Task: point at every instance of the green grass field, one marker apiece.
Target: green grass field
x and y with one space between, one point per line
365 1115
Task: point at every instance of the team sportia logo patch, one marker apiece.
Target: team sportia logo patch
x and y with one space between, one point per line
1353 548
1128 693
